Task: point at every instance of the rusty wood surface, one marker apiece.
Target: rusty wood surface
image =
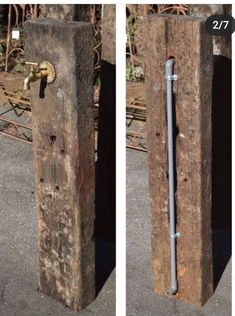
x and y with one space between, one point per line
63 142
109 34
186 39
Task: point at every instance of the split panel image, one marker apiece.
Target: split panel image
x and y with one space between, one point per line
178 118
58 159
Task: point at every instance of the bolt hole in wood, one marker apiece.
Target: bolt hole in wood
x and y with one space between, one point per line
52 139
41 180
176 131
170 56
57 188
62 151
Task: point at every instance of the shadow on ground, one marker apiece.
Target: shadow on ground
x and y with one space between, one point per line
221 247
105 262
105 225
105 197
221 164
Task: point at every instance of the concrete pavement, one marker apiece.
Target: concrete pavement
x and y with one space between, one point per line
141 300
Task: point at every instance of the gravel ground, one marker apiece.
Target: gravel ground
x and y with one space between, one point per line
141 300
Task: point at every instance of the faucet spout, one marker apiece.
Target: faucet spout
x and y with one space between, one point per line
27 80
38 71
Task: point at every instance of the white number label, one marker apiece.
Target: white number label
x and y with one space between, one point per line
221 25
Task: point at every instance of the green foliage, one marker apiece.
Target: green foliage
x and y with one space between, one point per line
135 74
130 76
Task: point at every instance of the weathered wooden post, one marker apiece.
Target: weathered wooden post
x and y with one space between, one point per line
63 143
186 39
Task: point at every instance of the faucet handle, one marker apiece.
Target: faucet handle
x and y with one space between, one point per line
33 66
49 69
31 63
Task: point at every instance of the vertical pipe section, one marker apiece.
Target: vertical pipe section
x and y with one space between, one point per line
169 80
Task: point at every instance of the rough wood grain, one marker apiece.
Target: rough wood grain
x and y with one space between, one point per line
186 39
63 142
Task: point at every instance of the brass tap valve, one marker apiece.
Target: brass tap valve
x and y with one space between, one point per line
37 71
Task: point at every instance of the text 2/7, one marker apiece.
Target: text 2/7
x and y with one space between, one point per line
220 25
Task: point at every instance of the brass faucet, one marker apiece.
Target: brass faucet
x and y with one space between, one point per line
37 71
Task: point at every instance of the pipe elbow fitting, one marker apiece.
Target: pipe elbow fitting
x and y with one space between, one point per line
172 291
169 65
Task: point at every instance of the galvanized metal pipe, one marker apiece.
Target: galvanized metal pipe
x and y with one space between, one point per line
170 77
